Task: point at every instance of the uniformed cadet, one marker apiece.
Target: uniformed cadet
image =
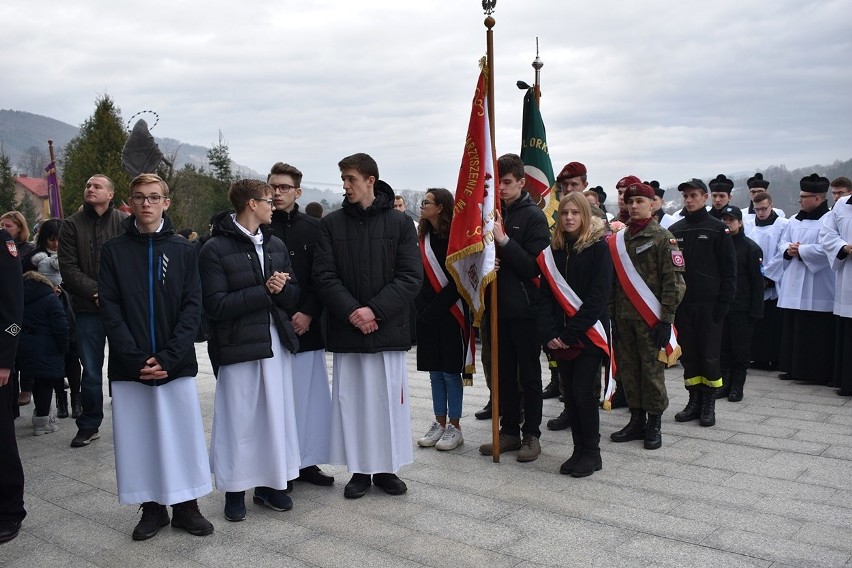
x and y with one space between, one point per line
652 251
664 219
745 311
11 316
711 275
720 192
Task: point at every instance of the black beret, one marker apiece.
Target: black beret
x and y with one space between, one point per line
694 183
814 184
721 183
655 185
757 181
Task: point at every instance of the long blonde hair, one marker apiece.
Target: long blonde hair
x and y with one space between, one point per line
585 230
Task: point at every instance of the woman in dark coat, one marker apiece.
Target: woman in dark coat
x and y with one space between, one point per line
442 339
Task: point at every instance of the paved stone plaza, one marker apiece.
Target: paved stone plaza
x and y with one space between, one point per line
769 485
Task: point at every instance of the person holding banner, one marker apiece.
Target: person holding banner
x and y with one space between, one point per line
575 287
648 289
444 329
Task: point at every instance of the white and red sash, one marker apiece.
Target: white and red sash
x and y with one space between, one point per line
570 303
640 295
435 274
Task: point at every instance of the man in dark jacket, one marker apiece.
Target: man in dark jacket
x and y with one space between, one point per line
150 300
745 310
367 271
310 376
521 233
720 192
711 278
11 317
80 241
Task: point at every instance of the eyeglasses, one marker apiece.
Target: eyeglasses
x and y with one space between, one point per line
283 187
268 200
153 199
761 209
803 197
424 203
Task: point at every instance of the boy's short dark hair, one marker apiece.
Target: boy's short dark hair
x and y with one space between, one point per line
314 209
762 196
280 168
843 182
510 164
242 190
364 164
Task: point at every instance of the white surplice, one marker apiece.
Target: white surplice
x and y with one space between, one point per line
313 406
767 238
808 282
835 234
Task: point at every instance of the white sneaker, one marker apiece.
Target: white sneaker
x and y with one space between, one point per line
432 436
451 439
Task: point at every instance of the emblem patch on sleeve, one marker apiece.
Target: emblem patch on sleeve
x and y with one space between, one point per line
13 330
677 258
12 248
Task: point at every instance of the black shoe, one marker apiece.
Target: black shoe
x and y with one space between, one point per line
485 413
589 462
736 393
561 422
692 410
61 405
84 437
723 392
188 517
635 429
842 392
289 487
357 486
9 530
568 465
708 410
76 408
786 377
235 505
275 499
653 438
154 517
314 475
390 483
551 390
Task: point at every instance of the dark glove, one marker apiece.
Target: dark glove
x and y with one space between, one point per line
662 334
719 312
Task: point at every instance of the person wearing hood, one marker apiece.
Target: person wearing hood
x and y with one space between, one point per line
250 290
150 303
806 292
367 271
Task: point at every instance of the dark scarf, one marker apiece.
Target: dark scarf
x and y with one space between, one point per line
773 216
815 214
638 225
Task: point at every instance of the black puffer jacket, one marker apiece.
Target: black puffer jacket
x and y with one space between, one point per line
150 300
44 336
368 257
236 300
749 297
300 232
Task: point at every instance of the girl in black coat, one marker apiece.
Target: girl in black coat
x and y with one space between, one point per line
442 341
582 258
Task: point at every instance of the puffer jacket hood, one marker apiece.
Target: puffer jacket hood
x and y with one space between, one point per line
384 200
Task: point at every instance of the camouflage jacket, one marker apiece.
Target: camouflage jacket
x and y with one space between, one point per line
654 253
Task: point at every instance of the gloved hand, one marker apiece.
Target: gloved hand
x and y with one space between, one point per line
719 312
662 334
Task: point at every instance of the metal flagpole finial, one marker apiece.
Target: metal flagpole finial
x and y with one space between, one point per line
538 63
488 6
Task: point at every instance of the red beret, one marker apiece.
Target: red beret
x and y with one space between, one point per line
639 190
571 170
627 180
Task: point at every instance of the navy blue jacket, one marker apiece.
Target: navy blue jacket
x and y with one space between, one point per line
44 339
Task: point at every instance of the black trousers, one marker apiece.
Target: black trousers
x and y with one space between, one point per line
807 346
700 338
11 472
581 376
736 348
843 355
518 356
766 339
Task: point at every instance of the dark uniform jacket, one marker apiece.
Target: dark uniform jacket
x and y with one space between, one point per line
11 301
44 339
80 241
654 253
526 226
368 257
711 266
749 296
300 232
150 297
236 300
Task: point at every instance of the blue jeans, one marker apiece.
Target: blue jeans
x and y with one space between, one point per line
91 341
446 394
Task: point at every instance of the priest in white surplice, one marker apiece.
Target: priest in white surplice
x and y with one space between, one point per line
367 271
807 290
836 240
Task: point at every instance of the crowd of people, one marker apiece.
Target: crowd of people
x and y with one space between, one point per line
612 299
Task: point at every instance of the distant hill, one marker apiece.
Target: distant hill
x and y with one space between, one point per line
21 130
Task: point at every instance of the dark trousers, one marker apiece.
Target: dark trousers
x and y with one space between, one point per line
43 393
736 348
807 346
518 357
766 338
700 338
91 343
581 376
11 472
843 355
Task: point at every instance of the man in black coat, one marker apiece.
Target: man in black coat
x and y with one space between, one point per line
310 376
11 316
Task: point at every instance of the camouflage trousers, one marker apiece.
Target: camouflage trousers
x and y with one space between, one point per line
640 372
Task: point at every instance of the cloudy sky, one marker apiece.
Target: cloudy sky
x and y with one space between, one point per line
661 89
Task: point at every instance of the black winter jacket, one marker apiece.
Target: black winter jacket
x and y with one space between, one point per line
236 300
44 336
300 232
11 300
526 227
368 257
711 265
749 296
150 299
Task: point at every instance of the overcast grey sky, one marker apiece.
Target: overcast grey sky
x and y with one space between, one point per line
661 89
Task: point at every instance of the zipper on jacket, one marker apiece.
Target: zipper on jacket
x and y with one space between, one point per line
151 293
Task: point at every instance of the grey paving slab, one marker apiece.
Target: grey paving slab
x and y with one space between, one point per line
767 486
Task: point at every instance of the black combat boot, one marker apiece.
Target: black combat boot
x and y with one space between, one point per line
653 438
635 429
590 458
561 422
154 517
692 410
552 388
737 384
61 404
76 405
708 410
